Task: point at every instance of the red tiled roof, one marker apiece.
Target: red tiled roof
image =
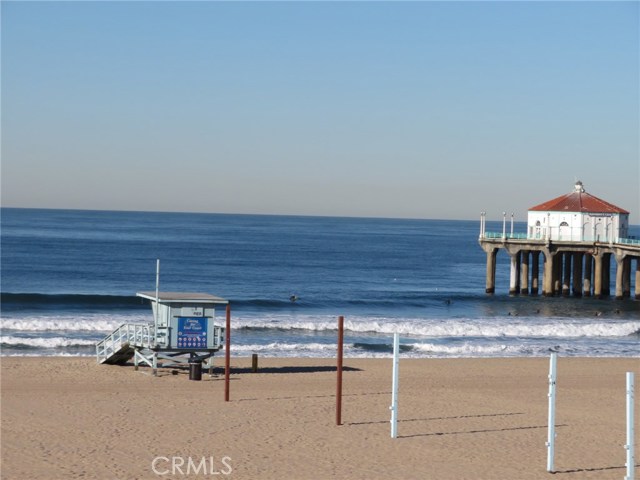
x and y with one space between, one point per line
578 201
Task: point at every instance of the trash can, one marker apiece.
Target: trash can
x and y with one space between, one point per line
195 369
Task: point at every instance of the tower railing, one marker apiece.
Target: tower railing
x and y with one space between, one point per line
127 335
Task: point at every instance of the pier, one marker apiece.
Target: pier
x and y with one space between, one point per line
565 267
569 249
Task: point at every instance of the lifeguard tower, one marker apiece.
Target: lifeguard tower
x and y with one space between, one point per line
183 331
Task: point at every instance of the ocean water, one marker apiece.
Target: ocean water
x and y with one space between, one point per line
70 277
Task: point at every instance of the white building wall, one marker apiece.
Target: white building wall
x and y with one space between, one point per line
577 227
537 227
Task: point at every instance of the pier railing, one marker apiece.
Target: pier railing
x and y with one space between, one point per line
524 236
519 236
629 241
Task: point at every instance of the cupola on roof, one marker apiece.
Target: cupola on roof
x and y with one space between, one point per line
578 201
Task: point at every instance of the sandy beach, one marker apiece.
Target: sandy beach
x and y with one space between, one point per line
458 419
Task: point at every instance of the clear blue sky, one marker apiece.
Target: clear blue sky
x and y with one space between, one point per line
412 109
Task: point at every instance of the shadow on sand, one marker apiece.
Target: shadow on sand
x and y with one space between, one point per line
440 418
598 469
291 369
217 371
487 430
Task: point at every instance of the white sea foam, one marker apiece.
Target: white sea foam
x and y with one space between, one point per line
468 349
69 323
43 342
478 327
48 354
307 335
420 327
315 350
416 350
283 347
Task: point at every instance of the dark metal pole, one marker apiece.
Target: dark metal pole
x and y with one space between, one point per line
339 383
227 354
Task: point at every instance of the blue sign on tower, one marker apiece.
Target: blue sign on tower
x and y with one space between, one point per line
192 332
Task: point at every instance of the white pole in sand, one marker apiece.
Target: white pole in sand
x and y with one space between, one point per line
551 437
630 443
394 386
157 290
157 312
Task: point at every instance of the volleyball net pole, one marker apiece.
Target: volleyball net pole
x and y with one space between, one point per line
339 371
630 447
551 434
394 386
227 353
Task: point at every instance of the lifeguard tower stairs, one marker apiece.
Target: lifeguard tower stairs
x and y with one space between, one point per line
183 331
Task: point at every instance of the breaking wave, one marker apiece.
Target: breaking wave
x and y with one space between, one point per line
69 323
40 342
494 327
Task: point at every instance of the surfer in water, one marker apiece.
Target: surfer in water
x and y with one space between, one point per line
293 298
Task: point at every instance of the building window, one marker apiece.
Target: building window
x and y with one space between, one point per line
564 224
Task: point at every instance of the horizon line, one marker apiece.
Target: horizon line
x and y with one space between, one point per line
180 212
